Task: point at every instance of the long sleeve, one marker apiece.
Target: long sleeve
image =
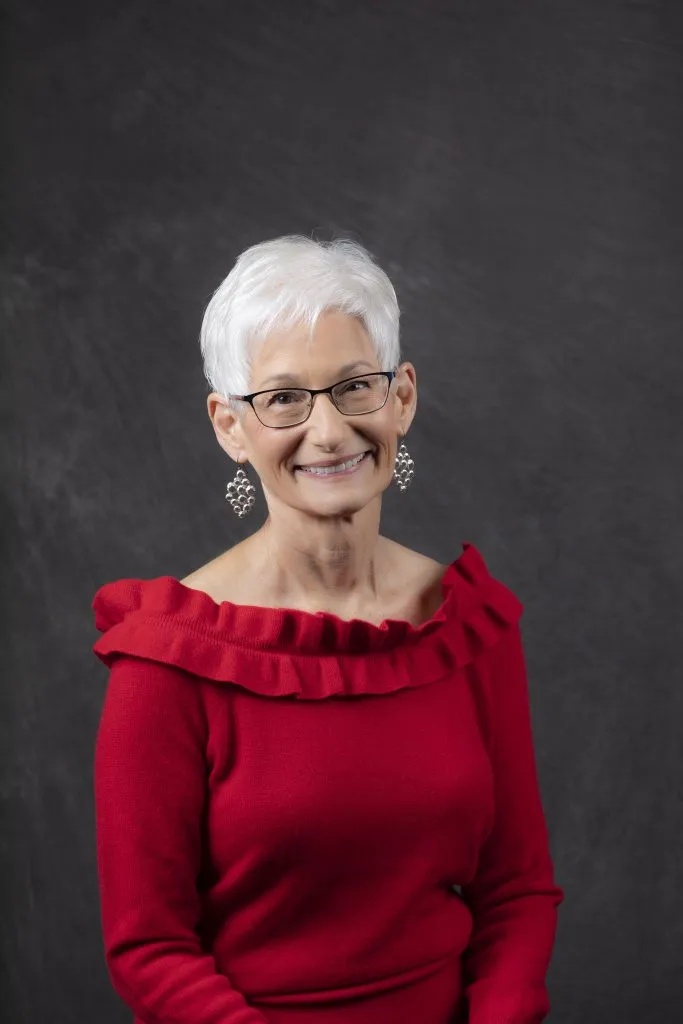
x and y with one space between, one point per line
150 789
513 897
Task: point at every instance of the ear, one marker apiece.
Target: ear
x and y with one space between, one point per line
227 426
406 395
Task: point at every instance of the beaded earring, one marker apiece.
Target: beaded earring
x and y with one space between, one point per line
403 468
241 494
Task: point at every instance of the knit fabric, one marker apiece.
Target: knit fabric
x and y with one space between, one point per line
308 820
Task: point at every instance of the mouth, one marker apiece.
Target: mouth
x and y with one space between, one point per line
341 469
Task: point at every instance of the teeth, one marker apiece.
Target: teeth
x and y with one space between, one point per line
329 470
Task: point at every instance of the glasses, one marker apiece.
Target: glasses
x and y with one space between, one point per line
354 396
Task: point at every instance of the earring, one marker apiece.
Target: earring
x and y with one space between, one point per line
241 494
403 468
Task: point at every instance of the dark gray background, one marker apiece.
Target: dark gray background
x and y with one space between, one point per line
517 168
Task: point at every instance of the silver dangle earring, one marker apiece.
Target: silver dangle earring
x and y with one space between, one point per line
403 468
241 494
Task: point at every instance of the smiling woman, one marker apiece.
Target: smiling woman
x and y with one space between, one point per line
316 794
321 321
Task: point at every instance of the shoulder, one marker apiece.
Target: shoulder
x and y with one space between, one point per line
415 583
412 565
220 578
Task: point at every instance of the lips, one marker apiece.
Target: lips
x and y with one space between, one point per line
337 462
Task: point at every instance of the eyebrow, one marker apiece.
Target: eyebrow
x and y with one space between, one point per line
287 378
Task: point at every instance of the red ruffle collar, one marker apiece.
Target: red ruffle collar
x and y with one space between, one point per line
285 652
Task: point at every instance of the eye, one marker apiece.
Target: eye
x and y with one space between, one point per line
273 400
360 383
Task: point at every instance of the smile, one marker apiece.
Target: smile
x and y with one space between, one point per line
343 469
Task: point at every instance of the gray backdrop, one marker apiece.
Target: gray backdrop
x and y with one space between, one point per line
517 168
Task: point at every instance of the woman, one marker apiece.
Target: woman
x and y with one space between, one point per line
315 783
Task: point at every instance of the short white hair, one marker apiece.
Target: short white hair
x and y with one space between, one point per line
287 281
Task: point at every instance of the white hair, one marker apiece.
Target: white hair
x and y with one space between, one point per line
287 281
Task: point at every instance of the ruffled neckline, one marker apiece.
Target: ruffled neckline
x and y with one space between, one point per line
286 652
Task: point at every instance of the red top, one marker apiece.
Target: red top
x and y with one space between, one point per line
302 818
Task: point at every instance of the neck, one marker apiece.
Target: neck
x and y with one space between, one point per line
325 561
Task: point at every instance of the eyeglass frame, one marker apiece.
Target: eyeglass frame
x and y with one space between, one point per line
389 374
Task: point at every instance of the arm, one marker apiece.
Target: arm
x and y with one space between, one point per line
150 788
513 897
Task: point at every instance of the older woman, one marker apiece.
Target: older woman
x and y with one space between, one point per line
315 783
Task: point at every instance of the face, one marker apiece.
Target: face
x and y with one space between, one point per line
327 434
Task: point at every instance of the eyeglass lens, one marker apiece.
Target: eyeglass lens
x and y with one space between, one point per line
352 397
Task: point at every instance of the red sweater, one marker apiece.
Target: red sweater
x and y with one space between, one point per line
306 819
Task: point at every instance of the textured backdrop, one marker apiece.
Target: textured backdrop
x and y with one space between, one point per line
517 169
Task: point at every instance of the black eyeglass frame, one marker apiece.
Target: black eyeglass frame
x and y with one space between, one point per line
390 374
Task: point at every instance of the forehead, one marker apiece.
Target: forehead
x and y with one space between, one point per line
338 347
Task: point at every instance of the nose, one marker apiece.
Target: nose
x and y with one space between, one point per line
325 416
